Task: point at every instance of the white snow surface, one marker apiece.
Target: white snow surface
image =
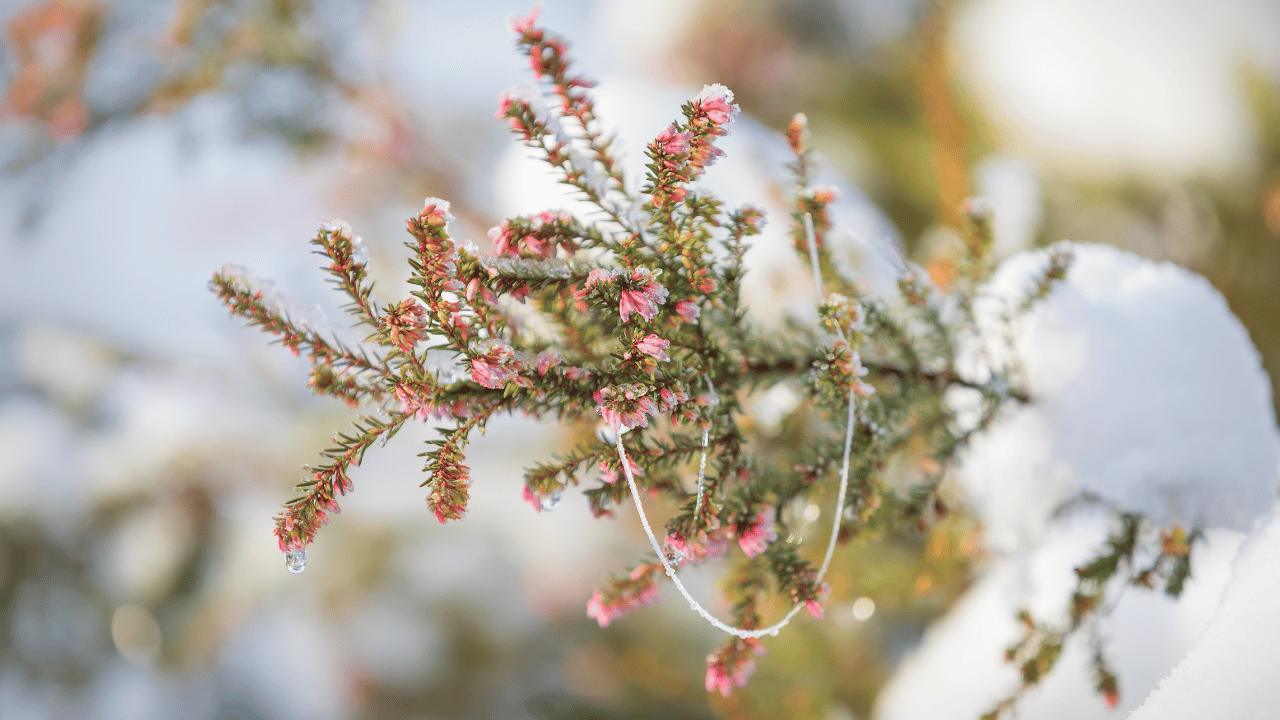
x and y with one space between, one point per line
1146 392
958 672
1230 673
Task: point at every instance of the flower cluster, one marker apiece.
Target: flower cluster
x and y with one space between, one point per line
536 237
732 665
621 596
636 292
682 151
642 337
755 535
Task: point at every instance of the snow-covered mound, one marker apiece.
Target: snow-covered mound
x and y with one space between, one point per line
1147 393
1230 673
959 672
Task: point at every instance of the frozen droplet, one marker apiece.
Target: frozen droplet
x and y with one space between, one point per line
675 556
382 441
551 502
773 632
296 560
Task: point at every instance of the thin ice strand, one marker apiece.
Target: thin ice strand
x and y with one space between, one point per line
671 572
706 438
813 253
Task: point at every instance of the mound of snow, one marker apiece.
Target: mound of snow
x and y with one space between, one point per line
1147 392
959 672
1231 671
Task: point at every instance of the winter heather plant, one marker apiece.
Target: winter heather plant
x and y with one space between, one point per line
633 323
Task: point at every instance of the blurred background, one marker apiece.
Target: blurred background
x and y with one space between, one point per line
148 438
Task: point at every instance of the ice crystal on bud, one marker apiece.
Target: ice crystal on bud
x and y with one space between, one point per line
551 502
717 102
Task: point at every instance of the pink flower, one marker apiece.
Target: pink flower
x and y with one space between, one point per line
575 373
643 298
596 609
523 25
532 499
672 142
755 538
497 366
814 607
671 398
716 101
689 310
488 375
501 237
610 475
655 346
599 277
504 106
625 406
732 664
624 595
676 545
548 360
708 546
826 194
404 324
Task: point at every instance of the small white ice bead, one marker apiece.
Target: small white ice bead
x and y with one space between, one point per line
296 560
551 502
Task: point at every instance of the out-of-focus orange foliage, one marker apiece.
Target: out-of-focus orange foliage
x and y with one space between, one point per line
50 45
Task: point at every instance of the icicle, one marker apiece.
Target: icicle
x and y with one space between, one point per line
296 560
